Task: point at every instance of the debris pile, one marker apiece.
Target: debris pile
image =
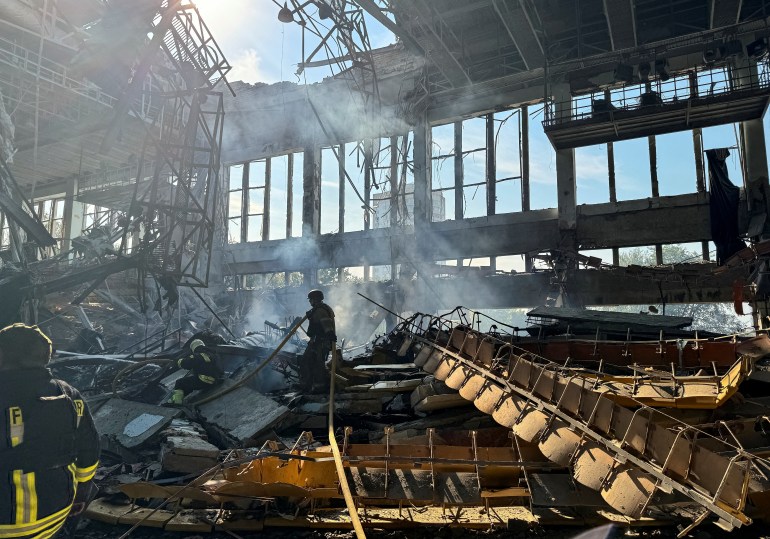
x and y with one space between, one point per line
438 416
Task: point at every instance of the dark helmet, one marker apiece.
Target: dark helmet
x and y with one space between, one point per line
315 294
19 341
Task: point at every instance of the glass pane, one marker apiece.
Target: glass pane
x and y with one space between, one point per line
254 231
256 201
236 177
475 201
354 206
279 167
235 204
542 164
474 138
330 192
297 193
257 171
443 137
57 230
58 209
234 231
443 205
439 207
507 144
508 196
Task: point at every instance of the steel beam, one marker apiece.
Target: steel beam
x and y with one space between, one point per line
520 30
373 9
621 23
724 12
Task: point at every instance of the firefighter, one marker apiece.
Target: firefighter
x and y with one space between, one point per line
322 333
49 448
202 363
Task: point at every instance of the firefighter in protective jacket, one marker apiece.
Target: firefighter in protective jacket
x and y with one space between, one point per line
48 444
203 366
322 333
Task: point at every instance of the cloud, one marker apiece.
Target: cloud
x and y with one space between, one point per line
246 67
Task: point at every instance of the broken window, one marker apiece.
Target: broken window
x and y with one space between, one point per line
256 186
355 188
235 204
296 166
542 158
51 215
279 201
725 136
98 216
380 194
676 163
632 169
380 273
443 171
508 161
474 167
592 174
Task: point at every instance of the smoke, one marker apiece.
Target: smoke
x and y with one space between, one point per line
265 120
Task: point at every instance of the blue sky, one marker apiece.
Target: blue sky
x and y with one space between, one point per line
261 49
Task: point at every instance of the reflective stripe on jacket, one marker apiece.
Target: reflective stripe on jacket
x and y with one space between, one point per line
48 444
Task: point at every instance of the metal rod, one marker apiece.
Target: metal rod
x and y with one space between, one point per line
213 312
381 306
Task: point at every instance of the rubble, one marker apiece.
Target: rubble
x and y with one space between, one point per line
131 424
480 426
242 415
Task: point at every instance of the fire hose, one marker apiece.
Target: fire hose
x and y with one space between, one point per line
352 510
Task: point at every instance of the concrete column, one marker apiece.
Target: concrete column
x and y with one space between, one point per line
459 171
744 74
529 264
368 158
289 198
342 178
423 201
491 166
311 197
311 204
73 215
565 179
266 203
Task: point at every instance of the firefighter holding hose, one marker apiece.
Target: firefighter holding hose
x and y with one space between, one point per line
322 332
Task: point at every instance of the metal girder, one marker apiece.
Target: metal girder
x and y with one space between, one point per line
437 50
372 9
621 23
724 12
521 32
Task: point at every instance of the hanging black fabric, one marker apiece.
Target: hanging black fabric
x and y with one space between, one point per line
723 207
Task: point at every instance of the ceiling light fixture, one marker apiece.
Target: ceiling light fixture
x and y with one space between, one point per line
285 15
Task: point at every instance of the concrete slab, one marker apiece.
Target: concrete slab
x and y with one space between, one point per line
243 414
131 424
188 454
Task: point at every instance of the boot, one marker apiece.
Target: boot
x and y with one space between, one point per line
177 397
